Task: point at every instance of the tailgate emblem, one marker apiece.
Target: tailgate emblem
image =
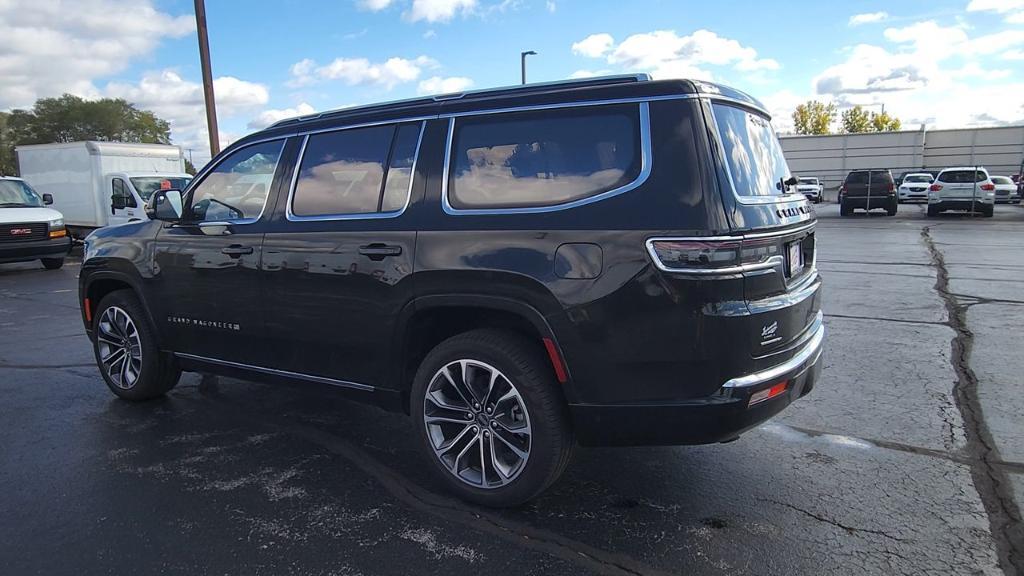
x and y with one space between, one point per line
769 330
20 231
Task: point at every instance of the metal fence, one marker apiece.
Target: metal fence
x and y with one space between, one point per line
999 150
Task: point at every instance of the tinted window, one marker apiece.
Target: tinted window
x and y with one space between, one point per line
120 189
342 172
1001 180
963 176
237 188
146 185
918 178
545 158
808 180
861 176
752 151
403 156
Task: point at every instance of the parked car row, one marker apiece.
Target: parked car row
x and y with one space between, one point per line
970 189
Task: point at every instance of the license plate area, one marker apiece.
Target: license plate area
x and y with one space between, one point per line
794 258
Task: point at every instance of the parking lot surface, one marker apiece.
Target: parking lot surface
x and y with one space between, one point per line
907 458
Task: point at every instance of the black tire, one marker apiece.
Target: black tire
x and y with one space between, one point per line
844 209
524 364
932 211
988 212
891 210
156 372
52 263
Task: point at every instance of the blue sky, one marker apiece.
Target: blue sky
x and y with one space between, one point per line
944 63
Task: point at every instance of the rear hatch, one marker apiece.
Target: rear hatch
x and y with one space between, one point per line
776 228
864 183
960 184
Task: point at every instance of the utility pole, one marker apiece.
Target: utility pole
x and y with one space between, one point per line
522 63
204 60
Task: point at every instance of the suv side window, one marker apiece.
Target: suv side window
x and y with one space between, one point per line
120 190
356 171
542 158
237 188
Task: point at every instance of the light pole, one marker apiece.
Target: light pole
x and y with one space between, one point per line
204 61
522 62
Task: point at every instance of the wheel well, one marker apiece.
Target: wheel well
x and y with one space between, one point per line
430 327
98 289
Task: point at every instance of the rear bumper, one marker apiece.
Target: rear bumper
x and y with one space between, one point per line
870 203
22 251
960 204
718 418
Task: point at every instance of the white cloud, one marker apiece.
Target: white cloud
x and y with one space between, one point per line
439 85
429 34
668 55
360 71
1000 6
49 48
1013 55
593 46
374 5
439 10
551 6
268 117
867 18
1017 18
180 102
588 74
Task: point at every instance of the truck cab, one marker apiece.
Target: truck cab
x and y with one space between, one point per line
129 192
29 228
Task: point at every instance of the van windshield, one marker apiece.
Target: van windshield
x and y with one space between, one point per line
146 185
17 194
752 151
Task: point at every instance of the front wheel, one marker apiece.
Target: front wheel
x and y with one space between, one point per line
127 351
52 263
491 417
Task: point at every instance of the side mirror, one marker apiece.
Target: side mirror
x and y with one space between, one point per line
165 205
793 180
118 202
47 199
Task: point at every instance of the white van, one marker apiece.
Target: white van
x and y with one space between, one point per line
28 229
95 184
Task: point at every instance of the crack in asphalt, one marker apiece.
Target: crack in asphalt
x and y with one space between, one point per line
836 523
990 479
900 320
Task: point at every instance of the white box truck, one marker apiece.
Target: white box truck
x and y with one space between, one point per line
96 184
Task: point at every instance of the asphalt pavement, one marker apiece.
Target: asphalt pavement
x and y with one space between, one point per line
907 458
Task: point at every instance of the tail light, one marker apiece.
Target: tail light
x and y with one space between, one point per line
892 187
987 187
714 256
935 187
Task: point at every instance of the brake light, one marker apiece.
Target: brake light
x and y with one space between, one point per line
935 187
892 187
988 187
718 255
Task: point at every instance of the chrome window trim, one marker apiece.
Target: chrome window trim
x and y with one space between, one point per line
570 104
292 217
811 350
645 165
276 372
200 177
749 200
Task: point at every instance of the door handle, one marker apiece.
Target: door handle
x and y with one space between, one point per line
236 250
379 251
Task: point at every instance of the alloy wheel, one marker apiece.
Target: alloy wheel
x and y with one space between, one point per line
477 423
119 346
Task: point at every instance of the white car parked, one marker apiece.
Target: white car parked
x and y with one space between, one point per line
28 229
1006 190
915 187
811 188
968 189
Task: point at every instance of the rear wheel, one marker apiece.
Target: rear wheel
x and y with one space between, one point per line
891 210
933 211
52 263
988 211
844 209
127 351
491 417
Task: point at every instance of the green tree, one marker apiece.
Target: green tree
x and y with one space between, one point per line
8 165
856 120
814 117
70 119
885 123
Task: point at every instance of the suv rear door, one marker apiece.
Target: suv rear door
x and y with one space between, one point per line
337 264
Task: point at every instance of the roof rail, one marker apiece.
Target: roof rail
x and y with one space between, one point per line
520 88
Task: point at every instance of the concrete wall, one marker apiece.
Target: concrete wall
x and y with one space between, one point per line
1000 150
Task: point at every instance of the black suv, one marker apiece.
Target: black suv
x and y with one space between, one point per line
868 189
611 261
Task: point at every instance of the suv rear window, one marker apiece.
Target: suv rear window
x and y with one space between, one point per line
543 158
752 151
861 176
963 176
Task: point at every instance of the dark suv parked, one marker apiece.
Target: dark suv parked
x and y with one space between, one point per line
612 261
868 189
